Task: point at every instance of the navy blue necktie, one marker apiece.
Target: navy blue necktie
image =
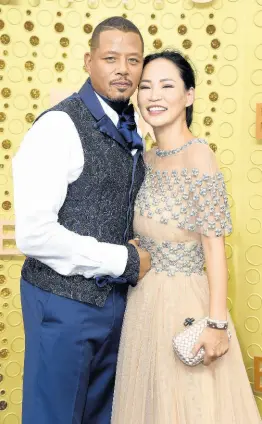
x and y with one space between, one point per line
127 128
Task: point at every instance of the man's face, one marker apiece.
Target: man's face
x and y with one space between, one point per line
115 65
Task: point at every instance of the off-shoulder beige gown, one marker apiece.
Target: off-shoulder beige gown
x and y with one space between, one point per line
182 199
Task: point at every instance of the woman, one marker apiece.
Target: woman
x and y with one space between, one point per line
181 217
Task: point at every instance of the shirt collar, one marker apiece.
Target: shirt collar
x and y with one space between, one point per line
111 113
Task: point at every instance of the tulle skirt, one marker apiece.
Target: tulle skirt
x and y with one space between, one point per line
152 385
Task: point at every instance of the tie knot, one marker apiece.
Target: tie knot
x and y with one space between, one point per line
127 118
128 113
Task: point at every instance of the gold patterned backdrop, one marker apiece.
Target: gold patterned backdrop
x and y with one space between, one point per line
42 44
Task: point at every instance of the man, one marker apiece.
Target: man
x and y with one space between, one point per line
76 177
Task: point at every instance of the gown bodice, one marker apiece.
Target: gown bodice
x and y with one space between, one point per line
178 203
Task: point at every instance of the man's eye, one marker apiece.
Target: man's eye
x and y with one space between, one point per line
133 60
110 59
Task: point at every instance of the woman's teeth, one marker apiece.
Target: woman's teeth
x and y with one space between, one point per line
156 109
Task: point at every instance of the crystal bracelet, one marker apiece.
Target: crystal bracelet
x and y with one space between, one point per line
217 324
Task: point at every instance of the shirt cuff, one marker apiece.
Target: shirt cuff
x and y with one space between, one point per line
114 260
95 259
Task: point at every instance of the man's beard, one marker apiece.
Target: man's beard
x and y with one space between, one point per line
117 104
120 99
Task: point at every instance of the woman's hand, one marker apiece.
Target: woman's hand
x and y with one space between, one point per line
215 342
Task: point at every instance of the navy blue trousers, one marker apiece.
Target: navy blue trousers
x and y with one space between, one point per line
70 357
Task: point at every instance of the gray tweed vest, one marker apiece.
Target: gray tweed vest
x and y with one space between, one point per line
96 204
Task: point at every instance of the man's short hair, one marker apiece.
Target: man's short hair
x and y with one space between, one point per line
115 22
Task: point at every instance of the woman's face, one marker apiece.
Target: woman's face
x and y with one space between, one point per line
162 97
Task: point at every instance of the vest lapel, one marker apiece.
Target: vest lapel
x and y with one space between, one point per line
103 124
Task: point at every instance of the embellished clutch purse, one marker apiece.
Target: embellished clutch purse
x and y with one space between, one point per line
184 342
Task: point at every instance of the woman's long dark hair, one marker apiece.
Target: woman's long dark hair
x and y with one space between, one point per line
186 72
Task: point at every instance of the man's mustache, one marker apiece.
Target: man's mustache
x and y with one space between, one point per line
125 81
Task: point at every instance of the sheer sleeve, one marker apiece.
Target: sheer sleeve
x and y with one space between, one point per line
208 212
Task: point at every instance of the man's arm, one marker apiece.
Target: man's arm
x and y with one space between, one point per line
50 158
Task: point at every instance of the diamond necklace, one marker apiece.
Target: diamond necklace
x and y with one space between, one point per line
163 153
